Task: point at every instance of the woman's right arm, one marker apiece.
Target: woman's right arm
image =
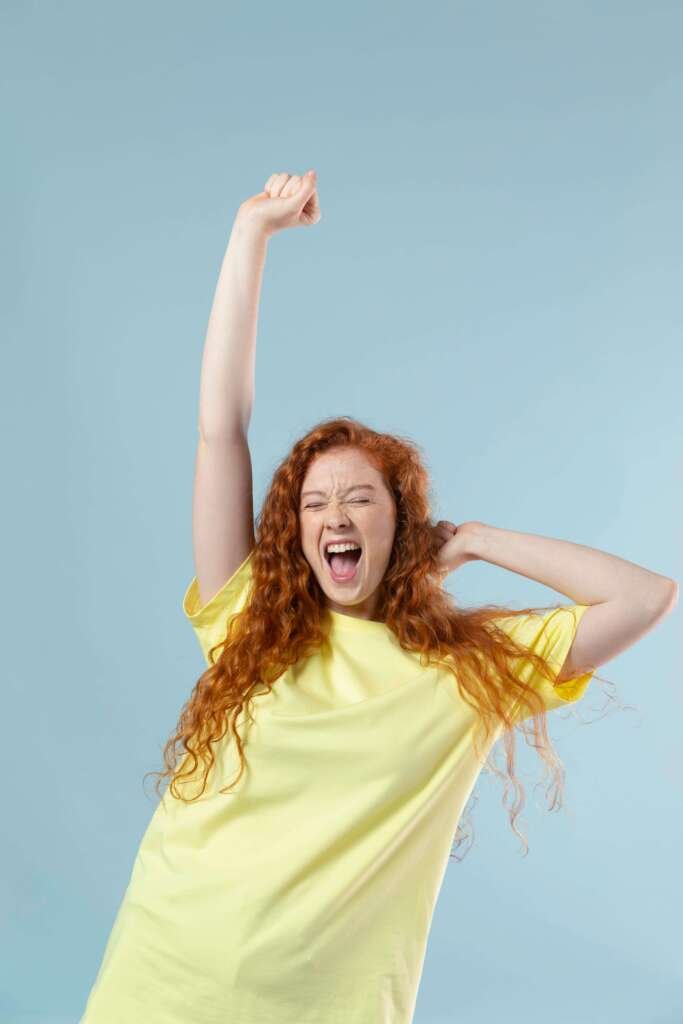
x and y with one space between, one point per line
222 506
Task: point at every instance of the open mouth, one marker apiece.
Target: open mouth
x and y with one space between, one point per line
344 566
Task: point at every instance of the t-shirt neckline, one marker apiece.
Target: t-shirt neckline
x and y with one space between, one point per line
352 622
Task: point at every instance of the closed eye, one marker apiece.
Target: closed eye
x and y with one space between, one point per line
365 501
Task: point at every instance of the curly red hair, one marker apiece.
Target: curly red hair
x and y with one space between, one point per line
285 620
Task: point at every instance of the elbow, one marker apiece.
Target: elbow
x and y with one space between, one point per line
669 596
673 596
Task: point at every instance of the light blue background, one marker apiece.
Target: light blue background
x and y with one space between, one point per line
497 274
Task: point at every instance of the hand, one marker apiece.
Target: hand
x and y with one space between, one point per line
288 201
454 544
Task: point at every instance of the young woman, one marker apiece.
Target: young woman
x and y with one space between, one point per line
290 872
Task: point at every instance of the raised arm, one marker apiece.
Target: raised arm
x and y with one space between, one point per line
222 506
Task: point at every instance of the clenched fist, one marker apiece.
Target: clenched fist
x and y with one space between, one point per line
453 544
287 201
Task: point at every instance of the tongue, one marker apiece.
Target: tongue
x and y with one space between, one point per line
344 564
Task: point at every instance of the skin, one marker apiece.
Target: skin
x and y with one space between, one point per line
368 517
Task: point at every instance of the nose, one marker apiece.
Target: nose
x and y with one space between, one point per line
336 514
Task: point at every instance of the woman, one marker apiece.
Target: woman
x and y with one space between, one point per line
291 869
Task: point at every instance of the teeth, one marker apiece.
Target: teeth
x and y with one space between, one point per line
350 546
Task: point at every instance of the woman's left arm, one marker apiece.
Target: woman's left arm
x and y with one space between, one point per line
626 600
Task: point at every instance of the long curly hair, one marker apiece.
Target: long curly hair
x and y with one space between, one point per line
285 620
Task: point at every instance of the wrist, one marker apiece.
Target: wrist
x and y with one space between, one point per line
479 539
247 230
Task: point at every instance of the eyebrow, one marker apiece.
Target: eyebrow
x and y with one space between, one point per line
354 487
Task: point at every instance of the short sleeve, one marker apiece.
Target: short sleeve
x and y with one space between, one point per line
551 635
210 621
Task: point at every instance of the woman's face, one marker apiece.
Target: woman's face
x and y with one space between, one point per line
350 501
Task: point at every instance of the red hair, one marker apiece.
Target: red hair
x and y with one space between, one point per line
285 619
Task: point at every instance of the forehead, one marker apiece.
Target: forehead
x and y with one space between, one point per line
342 468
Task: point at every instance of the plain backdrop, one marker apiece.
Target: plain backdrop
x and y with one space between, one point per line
496 275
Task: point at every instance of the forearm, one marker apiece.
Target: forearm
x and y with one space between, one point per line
583 574
226 394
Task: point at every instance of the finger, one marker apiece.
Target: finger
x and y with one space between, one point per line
272 182
305 197
291 187
277 183
281 183
311 208
308 183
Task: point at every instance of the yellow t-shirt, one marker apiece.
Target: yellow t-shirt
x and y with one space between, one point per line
306 896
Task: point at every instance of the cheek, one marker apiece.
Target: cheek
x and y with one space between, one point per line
308 541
